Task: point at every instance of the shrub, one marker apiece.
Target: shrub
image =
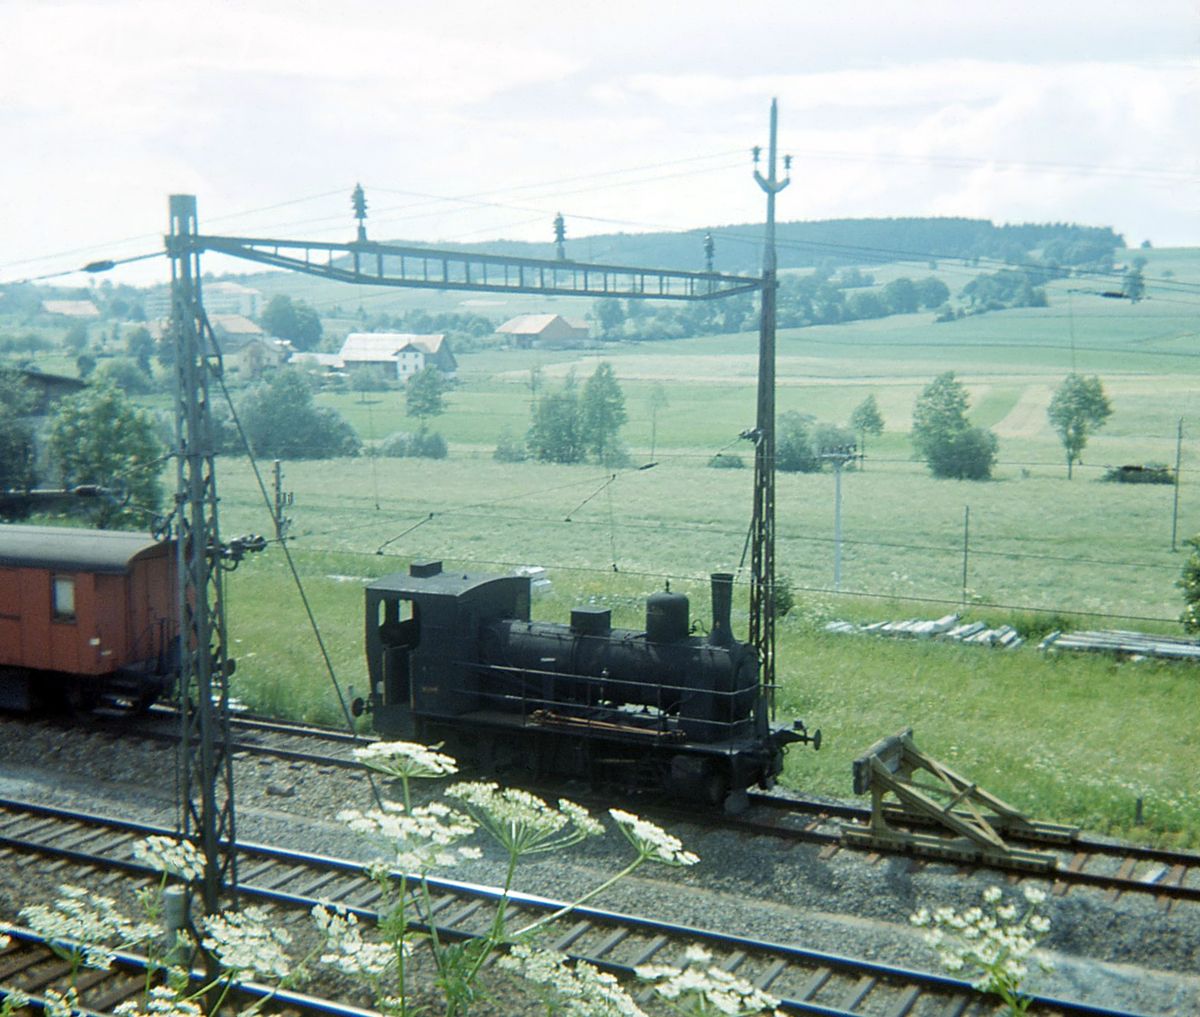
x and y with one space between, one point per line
793 445
509 449
727 461
1150 473
422 445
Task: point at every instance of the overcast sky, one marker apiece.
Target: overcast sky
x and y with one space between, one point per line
474 120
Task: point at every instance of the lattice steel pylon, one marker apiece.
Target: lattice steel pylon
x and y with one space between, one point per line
204 765
762 527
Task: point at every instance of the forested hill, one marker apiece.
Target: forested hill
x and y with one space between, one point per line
835 241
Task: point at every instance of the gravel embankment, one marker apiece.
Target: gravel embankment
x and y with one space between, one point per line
1128 953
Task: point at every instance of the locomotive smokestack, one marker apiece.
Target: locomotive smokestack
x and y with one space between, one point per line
722 603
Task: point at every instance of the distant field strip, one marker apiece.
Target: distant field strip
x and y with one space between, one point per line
1027 418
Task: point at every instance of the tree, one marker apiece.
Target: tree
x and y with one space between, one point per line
425 395
282 421
1134 287
944 437
902 296
140 345
1078 408
364 379
610 315
99 437
126 375
76 339
793 444
933 292
555 433
292 320
17 451
602 412
866 419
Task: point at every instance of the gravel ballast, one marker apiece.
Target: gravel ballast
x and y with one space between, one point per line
1129 953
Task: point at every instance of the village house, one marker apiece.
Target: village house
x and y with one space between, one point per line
398 354
546 330
246 350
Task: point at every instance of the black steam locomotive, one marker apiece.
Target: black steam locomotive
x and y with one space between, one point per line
454 658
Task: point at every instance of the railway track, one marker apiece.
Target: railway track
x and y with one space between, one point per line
808 982
1118 868
29 965
1172 877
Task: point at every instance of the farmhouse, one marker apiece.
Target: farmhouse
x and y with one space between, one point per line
398 354
246 350
547 330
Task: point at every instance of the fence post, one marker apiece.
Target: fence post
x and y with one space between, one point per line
966 549
1175 507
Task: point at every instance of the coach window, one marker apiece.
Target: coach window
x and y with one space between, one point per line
64 598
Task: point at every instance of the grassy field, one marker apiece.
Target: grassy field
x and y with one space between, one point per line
1073 738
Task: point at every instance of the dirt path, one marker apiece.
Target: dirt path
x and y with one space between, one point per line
1028 417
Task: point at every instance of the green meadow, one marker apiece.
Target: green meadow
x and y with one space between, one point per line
1074 739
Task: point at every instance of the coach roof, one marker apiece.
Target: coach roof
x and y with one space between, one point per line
73 550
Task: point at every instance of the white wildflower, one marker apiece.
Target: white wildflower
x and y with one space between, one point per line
702 989
250 940
572 989
521 822
61 1004
406 760
422 838
346 950
652 842
175 857
86 924
163 1001
988 944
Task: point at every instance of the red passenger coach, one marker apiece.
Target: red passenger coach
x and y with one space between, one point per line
88 617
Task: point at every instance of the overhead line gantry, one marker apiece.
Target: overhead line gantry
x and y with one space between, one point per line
206 776
366 262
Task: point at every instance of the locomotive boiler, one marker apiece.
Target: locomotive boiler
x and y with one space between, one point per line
455 658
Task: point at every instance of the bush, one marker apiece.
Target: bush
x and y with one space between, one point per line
1190 584
422 445
126 375
1150 473
793 445
727 461
509 449
282 422
965 455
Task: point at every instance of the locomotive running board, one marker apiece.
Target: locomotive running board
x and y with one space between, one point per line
952 805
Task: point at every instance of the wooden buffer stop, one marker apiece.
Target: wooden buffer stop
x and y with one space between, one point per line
946 817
